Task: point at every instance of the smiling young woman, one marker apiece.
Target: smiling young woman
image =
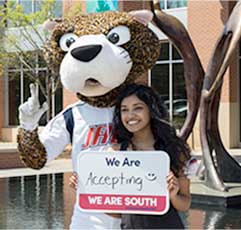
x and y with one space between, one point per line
140 123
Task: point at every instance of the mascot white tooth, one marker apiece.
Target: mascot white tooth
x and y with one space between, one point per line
96 56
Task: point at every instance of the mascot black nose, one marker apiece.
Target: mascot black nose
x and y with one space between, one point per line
86 53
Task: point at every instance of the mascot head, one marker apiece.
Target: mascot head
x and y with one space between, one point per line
98 54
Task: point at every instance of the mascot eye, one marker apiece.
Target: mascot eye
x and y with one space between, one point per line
119 35
114 38
67 40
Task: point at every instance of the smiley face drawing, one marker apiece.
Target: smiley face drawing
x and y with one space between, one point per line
151 176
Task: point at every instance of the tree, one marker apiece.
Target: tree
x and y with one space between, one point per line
22 41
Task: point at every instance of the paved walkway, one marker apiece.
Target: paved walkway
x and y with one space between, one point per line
56 166
8 146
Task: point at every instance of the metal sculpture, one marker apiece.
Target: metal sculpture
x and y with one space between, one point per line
204 90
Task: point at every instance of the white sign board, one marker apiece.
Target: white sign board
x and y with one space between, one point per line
123 182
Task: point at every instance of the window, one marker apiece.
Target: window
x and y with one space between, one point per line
57 7
54 10
31 6
167 78
170 4
17 85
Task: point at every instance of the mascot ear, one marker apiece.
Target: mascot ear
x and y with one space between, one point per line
142 16
51 23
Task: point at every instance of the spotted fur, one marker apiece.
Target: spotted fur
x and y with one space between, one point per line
32 151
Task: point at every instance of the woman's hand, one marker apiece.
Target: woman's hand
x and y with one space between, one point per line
73 181
172 184
179 191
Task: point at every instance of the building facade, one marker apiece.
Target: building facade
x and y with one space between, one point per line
204 21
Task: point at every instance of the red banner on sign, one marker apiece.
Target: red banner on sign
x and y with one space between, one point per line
122 202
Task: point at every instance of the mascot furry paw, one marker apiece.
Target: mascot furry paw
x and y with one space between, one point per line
96 56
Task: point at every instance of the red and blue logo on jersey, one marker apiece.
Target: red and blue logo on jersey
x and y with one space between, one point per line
99 135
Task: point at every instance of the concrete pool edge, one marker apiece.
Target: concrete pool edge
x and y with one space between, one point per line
201 194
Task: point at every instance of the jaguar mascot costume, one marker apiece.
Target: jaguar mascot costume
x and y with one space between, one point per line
96 55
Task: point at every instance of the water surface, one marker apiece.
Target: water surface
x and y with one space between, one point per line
46 201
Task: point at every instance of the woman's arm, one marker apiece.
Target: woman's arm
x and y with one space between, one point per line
179 190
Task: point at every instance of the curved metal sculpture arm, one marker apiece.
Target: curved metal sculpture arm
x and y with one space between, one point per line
223 50
193 70
228 168
212 178
224 168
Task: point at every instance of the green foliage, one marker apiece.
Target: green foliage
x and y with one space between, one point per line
22 39
14 14
21 32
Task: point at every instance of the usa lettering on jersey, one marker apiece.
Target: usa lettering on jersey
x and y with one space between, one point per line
99 135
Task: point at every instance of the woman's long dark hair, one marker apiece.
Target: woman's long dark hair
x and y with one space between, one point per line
164 134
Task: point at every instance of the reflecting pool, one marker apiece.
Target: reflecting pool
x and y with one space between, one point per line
46 202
